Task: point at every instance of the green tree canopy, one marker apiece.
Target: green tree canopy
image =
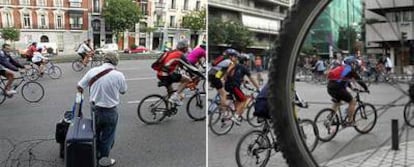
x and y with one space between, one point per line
346 34
11 34
121 15
195 20
234 34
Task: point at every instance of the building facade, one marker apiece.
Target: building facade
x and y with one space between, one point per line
59 24
324 33
390 31
263 18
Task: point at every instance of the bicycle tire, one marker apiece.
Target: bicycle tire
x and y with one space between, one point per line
32 86
217 118
251 119
251 150
408 113
327 124
281 77
32 74
313 142
77 65
157 98
54 72
358 112
198 100
2 95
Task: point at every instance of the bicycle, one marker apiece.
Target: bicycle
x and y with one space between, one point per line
159 107
31 91
52 70
331 118
95 60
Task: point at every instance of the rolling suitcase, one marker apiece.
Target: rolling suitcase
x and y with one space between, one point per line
80 142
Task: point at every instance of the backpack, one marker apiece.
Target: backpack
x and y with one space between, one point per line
157 65
261 108
335 74
217 60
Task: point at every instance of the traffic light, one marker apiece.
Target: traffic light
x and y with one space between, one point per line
404 35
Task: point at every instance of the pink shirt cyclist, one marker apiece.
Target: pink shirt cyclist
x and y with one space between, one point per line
197 54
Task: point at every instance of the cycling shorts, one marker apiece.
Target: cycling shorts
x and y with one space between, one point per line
169 80
214 81
338 92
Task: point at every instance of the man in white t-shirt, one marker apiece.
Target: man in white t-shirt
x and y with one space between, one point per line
39 60
388 64
85 52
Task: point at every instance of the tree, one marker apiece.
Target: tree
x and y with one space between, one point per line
121 15
346 34
11 34
234 34
195 20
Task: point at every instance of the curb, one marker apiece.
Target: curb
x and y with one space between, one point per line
70 58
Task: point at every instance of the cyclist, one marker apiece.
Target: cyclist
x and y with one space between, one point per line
234 79
218 68
85 52
339 79
30 51
9 63
198 55
169 74
39 60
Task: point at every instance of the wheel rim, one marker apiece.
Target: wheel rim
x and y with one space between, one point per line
32 92
152 109
220 123
196 107
253 149
54 72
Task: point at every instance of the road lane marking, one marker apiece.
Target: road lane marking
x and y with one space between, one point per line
140 78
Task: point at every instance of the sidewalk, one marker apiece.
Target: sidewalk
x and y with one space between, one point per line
384 156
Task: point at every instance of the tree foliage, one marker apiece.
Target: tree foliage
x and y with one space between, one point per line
11 34
346 34
234 34
121 15
195 20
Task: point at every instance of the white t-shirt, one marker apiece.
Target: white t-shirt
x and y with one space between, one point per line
83 48
388 62
37 57
105 91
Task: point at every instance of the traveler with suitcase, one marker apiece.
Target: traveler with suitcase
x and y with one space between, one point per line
105 84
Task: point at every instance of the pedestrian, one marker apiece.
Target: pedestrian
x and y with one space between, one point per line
388 64
104 99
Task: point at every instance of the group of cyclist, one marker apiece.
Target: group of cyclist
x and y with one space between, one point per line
173 60
227 75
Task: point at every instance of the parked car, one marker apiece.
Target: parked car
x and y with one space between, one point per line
139 49
107 48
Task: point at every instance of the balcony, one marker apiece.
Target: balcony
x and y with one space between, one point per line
381 32
245 9
75 26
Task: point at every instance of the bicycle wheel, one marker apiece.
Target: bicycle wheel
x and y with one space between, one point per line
32 91
54 72
251 119
96 62
196 107
327 123
220 122
152 109
77 65
32 74
408 113
281 77
309 133
2 95
253 149
365 118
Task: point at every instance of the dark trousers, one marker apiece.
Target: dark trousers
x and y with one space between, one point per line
105 124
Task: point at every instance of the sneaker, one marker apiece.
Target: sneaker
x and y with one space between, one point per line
175 99
236 119
11 92
105 161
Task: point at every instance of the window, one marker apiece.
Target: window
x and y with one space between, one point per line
5 2
96 25
185 4
26 21
7 20
42 21
144 7
41 2
407 16
58 3
59 21
25 2
76 21
172 4
172 21
96 6
198 5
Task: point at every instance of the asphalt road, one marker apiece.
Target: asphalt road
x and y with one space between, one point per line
27 130
221 149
